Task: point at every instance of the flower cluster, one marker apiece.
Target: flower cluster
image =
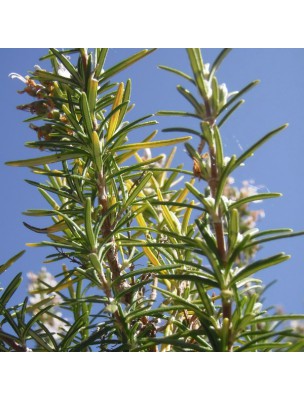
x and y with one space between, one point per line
45 105
39 288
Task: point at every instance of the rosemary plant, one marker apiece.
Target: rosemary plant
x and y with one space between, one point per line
147 265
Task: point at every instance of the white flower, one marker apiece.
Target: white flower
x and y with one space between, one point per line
206 70
226 161
227 201
210 201
257 308
147 154
21 78
223 94
37 287
39 283
62 71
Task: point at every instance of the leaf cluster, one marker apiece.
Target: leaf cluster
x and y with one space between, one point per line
150 264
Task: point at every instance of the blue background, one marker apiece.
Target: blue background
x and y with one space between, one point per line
275 167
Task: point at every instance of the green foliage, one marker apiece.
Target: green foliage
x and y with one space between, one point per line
151 267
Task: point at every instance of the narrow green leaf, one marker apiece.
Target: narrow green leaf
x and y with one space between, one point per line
60 193
255 345
135 125
192 152
177 204
186 130
230 112
208 304
219 59
275 237
49 199
296 347
38 339
126 101
219 148
10 290
10 320
238 94
272 232
125 63
85 111
223 178
104 102
186 304
94 259
253 299
207 235
259 265
36 317
49 76
108 117
156 311
192 278
44 160
280 317
97 151
199 196
11 261
88 223
156 143
136 167
233 229
71 334
177 114
50 55
125 156
265 346
102 54
197 66
70 67
181 171
251 199
191 99
92 94
177 72
248 153
138 188
215 99
72 119
142 271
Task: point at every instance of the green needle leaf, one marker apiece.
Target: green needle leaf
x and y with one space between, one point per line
70 68
32 162
10 290
251 199
249 153
11 261
138 188
176 71
259 265
88 224
85 111
125 63
238 95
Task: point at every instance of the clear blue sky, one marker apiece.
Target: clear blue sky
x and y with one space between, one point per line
277 167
